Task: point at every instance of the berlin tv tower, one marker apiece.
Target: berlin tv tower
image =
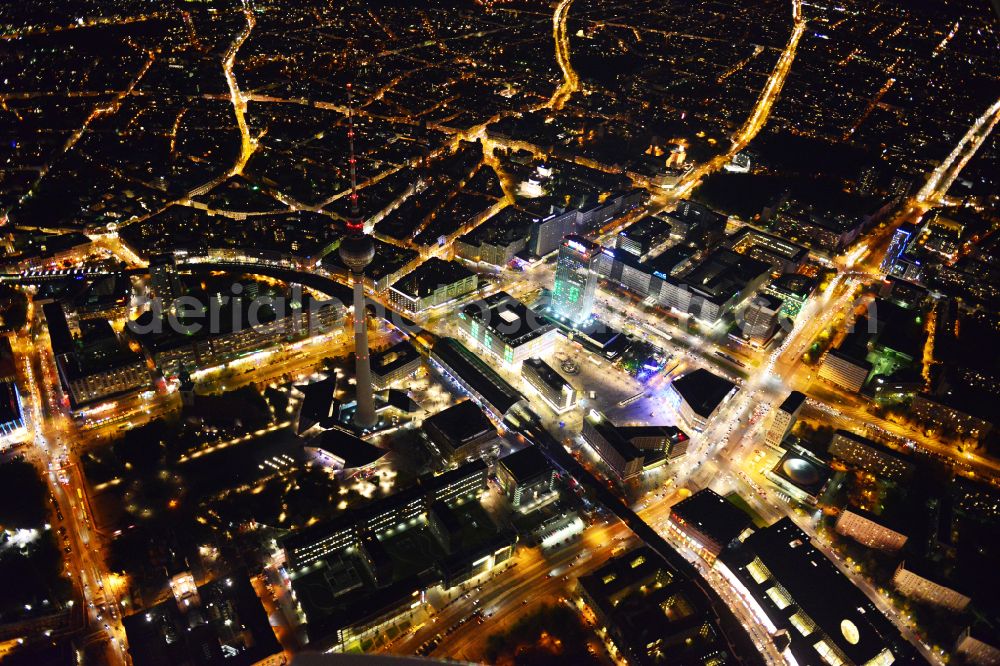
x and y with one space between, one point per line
357 251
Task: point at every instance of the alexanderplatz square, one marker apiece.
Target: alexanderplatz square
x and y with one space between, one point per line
500 332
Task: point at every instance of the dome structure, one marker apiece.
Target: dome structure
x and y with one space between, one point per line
801 471
357 251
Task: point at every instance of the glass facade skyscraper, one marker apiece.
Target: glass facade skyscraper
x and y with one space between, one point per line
575 283
900 239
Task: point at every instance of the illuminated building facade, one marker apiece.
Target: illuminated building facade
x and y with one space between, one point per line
433 283
698 395
783 255
631 450
845 369
460 432
507 329
795 588
760 319
923 582
794 290
575 282
870 456
869 530
95 366
708 523
481 382
651 613
394 364
526 476
978 647
799 473
784 418
897 246
163 276
11 413
346 530
550 385
623 457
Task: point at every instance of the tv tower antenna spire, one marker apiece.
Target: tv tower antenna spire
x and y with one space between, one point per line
357 251
354 220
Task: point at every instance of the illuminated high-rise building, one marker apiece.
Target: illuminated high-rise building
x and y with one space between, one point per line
575 283
760 318
166 284
784 418
897 246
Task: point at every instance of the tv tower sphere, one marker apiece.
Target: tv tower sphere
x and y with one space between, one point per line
357 251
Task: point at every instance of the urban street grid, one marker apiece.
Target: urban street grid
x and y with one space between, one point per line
499 331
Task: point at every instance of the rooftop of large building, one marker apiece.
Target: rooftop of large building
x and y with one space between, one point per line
703 391
822 593
8 367
802 469
794 284
647 229
767 302
526 464
475 372
98 350
764 246
724 273
668 432
891 519
659 615
689 211
901 330
854 346
211 316
429 276
881 448
59 334
669 261
38 245
348 447
229 626
318 406
396 356
388 259
345 591
546 373
461 423
10 405
711 514
580 244
425 486
509 225
792 402
613 435
508 318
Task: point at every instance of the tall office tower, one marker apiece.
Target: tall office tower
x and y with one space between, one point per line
760 318
897 246
901 186
867 180
784 418
163 275
575 284
357 251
